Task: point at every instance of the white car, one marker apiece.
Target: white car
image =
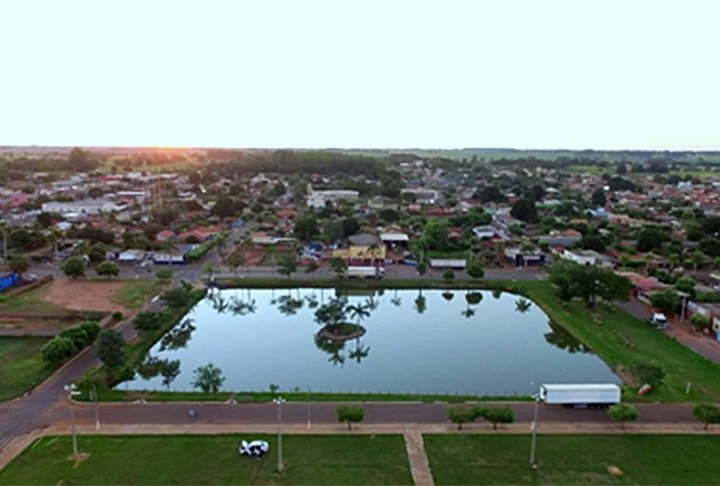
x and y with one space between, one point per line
255 448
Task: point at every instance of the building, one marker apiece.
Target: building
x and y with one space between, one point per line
319 199
448 263
582 257
362 255
423 196
92 206
393 240
525 259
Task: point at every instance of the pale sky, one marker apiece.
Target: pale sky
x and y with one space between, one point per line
389 74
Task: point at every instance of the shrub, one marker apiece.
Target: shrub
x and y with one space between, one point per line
350 415
648 374
117 316
502 415
77 335
623 412
148 321
699 322
111 346
164 274
92 329
707 414
57 350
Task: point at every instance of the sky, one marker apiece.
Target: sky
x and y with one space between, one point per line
584 74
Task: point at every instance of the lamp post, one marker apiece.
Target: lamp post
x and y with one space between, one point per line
279 401
97 413
71 389
533 428
308 409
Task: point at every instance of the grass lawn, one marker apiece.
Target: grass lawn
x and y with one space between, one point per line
135 293
607 340
21 367
212 460
30 300
574 459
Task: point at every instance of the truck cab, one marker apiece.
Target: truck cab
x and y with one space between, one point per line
659 320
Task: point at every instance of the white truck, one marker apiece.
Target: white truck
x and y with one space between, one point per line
581 395
365 272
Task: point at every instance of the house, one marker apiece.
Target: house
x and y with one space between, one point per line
319 199
642 285
392 240
286 213
90 206
362 255
365 239
263 239
581 257
165 235
597 213
564 239
525 259
490 231
423 196
193 234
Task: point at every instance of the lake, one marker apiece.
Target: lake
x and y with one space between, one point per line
429 341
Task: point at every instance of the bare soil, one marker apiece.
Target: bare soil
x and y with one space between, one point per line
84 295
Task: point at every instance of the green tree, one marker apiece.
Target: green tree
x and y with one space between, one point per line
350 415
312 267
111 348
598 198
389 215
107 269
148 321
498 415
57 350
699 322
306 227
208 378
437 234
475 269
350 226
74 267
697 258
667 301
448 276
707 414
224 207
623 412
338 265
287 264
686 285
178 297
164 274
461 416
18 264
421 268
647 374
588 282
237 259
650 238
97 253
525 210
711 246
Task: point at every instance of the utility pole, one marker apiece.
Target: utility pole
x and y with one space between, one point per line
71 389
97 412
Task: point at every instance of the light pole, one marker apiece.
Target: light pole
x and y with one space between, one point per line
308 409
534 431
71 389
279 401
97 413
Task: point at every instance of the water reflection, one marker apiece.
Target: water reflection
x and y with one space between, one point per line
179 336
522 305
562 339
154 366
289 306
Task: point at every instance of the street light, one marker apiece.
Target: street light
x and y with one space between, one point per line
72 391
279 401
533 427
308 409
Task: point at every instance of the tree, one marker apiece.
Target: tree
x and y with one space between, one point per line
498 415
490 194
224 207
389 215
18 264
338 265
448 276
312 267
647 374
350 226
57 350
462 416
650 238
79 161
707 414
287 264
593 242
208 378
178 297
350 415
111 348
621 169
588 282
668 301
97 253
711 246
237 259
598 198
74 267
697 258
475 269
699 322
107 269
524 209
421 268
686 285
164 274
306 227
623 412
437 234
147 321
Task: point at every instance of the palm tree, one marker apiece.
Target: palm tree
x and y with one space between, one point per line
360 352
420 304
359 311
396 301
522 305
468 312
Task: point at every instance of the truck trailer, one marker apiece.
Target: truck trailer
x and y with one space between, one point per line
581 395
364 272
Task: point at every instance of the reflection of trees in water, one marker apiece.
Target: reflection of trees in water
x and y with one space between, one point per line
562 339
497 293
360 352
447 295
522 305
420 304
178 337
468 312
336 349
153 366
471 298
312 301
289 306
396 301
218 302
240 307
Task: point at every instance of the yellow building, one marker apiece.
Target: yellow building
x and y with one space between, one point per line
362 255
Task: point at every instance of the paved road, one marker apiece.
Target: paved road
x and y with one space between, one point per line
375 413
698 342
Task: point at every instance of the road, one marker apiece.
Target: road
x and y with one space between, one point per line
375 413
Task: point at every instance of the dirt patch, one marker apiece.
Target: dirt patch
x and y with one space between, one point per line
615 471
80 457
84 295
626 376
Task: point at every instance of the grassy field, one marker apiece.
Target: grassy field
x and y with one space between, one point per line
573 459
212 460
135 293
32 299
21 367
608 340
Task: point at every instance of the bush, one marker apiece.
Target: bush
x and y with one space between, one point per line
350 415
623 412
148 321
707 414
77 335
164 274
117 316
648 374
699 322
57 350
92 329
503 415
111 344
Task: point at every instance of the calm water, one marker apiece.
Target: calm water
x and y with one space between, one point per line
449 346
